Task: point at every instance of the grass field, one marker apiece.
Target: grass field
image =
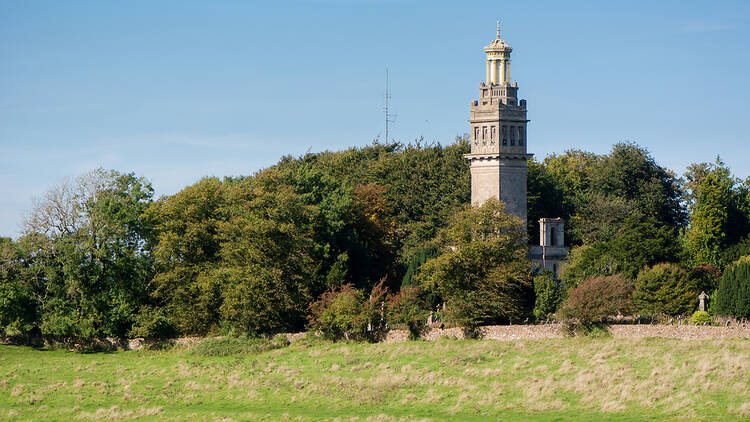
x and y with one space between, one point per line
581 379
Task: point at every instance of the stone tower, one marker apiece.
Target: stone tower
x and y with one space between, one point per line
498 135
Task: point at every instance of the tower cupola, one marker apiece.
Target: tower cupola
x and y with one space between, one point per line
498 61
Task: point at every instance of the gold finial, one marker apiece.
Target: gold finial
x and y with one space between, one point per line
498 30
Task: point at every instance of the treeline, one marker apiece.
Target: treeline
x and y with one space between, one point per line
270 252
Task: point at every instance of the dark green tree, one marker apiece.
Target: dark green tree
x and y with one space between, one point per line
630 172
544 198
666 288
639 243
733 294
549 294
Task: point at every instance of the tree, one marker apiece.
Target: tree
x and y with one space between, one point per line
267 268
21 281
549 294
638 243
420 257
666 288
630 172
600 217
719 216
96 266
544 198
572 172
482 273
186 249
733 294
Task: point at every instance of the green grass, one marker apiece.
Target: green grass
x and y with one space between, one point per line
580 379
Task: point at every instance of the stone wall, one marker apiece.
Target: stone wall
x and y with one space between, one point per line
683 332
492 332
517 332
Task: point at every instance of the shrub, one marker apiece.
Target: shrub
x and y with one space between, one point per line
700 317
409 309
598 298
152 323
733 294
665 288
337 313
234 346
549 294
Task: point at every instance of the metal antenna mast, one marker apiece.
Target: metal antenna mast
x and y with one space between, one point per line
389 118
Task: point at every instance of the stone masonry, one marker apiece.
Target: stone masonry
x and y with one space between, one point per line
498 135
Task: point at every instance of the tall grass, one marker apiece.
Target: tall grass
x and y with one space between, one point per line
580 378
237 346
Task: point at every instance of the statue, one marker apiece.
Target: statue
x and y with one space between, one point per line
702 305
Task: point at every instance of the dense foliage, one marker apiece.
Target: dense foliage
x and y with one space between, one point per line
250 255
666 288
549 294
483 274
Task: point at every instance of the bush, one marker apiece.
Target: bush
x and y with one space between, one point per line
665 288
337 314
234 346
549 294
700 317
598 298
733 294
152 323
409 309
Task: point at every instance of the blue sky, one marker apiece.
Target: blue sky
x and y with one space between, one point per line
178 90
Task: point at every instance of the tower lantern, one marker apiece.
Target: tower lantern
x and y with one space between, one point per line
498 61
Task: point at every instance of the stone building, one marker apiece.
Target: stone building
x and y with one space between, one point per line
551 252
498 135
498 153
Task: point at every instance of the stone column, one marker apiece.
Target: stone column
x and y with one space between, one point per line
502 72
488 72
493 71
